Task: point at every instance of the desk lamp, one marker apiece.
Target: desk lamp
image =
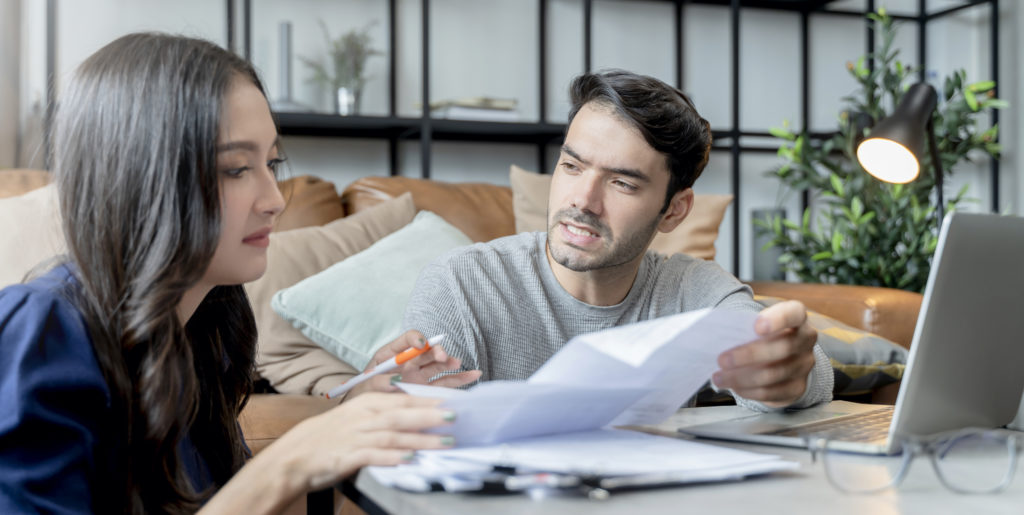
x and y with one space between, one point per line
890 151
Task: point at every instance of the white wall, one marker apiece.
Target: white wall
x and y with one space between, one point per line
489 47
10 58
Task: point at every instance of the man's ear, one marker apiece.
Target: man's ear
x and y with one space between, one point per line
678 208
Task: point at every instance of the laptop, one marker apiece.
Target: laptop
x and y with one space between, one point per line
966 362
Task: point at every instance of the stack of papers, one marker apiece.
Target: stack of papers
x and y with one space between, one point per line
609 458
636 374
557 421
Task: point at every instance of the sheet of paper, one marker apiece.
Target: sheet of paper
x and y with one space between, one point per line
499 411
670 357
629 375
623 458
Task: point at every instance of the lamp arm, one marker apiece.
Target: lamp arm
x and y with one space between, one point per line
937 166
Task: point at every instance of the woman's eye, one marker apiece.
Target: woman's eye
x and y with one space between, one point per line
236 172
274 164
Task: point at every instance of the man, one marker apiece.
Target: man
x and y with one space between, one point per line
633 149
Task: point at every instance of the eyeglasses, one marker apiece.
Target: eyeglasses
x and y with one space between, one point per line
971 461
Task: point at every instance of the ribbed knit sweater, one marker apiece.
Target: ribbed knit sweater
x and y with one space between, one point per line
505 313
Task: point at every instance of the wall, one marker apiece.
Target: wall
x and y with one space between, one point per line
489 47
10 57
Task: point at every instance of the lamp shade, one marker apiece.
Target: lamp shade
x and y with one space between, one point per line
891 150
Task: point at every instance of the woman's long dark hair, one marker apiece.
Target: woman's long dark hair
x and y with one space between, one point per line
135 161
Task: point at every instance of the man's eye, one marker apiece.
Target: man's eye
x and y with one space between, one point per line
569 167
625 185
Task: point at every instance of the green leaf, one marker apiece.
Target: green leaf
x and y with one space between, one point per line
981 87
837 242
821 255
837 184
994 103
781 133
972 102
857 207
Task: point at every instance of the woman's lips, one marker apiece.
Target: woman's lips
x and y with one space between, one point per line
259 238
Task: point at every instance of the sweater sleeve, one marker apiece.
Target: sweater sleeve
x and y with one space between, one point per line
438 305
53 401
820 379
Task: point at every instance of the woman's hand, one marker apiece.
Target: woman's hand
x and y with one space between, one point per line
375 429
418 370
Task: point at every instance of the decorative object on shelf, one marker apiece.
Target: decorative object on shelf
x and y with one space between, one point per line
867 232
284 100
345 71
477 108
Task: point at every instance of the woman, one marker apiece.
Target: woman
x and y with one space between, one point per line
123 370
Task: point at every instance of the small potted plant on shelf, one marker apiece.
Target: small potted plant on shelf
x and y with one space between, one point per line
344 73
859 230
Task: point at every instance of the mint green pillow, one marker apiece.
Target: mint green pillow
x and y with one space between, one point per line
355 306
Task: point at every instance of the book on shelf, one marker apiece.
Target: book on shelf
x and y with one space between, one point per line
477 108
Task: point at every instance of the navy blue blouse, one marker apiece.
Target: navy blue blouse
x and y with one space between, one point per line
55 404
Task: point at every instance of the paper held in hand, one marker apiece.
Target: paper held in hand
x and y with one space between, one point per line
629 375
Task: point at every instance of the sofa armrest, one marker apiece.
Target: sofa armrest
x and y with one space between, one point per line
267 416
887 312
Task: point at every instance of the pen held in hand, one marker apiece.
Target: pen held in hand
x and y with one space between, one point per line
386 366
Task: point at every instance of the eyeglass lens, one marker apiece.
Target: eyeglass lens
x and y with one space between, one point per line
971 463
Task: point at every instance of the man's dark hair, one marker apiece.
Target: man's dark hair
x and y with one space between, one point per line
664 116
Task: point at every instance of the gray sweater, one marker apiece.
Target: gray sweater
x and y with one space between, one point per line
505 314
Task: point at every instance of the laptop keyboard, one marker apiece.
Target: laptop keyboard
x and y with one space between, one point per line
862 427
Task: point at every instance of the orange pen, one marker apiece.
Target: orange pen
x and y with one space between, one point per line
386 366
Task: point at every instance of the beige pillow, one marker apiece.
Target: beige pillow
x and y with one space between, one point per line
695 236
290 361
30 233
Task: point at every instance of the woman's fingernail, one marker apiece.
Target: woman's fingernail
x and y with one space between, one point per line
449 416
421 340
397 378
409 456
448 441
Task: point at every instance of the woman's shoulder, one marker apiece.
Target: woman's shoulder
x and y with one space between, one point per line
38 304
43 331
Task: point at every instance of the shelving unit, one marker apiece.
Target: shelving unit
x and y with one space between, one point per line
543 133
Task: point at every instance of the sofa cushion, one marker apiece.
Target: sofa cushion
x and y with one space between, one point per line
862 361
290 361
481 211
377 284
32 234
308 201
20 181
695 236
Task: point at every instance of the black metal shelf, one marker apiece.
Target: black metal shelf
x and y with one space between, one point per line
542 134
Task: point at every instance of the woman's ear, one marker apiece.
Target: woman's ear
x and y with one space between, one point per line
678 208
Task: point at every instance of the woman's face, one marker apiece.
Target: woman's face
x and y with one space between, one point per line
247 156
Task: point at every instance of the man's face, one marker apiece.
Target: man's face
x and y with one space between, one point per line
607 191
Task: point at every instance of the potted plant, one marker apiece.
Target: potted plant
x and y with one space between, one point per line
859 230
344 73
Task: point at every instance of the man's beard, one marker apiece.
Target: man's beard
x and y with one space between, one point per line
614 253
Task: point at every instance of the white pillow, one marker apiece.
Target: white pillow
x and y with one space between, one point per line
30 233
354 307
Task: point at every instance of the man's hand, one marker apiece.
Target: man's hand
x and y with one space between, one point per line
773 369
418 370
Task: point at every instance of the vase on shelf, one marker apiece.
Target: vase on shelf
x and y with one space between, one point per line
346 101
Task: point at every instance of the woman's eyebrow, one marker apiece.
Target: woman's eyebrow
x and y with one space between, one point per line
249 145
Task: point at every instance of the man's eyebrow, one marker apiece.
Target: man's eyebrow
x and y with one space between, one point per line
243 145
628 172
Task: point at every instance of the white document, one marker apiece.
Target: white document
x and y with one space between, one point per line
621 457
629 375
